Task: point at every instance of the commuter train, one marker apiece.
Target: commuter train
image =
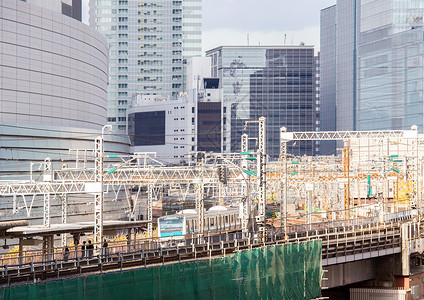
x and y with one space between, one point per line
217 219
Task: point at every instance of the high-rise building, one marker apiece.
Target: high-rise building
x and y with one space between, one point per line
277 82
375 50
328 77
149 43
53 80
174 128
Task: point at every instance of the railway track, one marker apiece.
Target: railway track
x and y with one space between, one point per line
337 243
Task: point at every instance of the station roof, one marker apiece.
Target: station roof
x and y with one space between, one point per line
72 228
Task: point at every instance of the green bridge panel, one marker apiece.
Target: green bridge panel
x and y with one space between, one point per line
291 271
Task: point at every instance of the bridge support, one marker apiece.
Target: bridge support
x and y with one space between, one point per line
405 250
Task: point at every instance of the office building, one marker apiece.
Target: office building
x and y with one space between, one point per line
53 80
173 128
372 59
328 77
52 88
277 82
149 43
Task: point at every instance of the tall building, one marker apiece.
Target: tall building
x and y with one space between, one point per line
277 82
53 79
328 77
149 43
375 50
174 128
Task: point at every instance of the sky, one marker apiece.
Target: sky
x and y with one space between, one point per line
266 22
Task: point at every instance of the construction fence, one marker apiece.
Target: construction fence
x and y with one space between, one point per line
289 271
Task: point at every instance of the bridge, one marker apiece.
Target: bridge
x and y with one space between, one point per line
344 242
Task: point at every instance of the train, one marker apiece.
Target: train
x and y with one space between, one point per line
217 219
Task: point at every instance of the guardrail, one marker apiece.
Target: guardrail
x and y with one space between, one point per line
340 239
337 244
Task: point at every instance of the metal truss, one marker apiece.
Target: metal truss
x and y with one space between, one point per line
98 201
345 135
64 210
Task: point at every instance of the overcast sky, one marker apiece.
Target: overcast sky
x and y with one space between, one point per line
228 22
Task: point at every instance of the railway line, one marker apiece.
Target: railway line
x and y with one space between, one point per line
339 245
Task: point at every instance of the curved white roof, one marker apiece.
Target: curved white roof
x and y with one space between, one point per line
218 208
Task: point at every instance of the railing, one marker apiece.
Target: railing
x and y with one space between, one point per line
337 242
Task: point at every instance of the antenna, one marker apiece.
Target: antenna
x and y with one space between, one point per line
248 42
285 38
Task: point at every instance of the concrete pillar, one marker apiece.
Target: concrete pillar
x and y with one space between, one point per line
51 246
129 238
76 243
45 246
405 250
20 251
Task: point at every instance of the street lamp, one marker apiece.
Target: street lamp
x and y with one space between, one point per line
103 129
98 202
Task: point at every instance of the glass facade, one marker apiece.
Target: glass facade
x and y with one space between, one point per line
328 77
275 82
390 65
209 126
377 46
147 128
149 42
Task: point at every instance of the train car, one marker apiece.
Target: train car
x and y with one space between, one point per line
217 219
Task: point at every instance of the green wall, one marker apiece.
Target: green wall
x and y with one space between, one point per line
290 271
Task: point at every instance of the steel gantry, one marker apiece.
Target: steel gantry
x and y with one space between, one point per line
106 178
98 185
354 170
327 183
261 182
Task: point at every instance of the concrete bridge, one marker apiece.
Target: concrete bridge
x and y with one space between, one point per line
352 251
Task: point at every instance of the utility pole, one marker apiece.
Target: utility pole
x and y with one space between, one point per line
64 203
245 200
261 159
98 179
98 197
150 210
200 206
48 176
283 200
